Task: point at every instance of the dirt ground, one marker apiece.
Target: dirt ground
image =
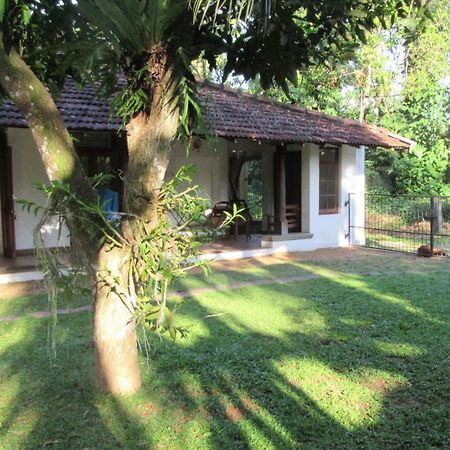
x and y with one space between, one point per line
350 257
342 255
13 290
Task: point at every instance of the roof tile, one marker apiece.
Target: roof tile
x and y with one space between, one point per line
230 114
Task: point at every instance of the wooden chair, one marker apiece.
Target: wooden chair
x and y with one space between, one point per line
218 215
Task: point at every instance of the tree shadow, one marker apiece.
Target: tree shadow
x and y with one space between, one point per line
339 362
375 344
58 407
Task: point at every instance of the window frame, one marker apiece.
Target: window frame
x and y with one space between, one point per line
336 165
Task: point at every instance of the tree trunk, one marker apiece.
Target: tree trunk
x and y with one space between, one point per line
365 91
150 140
117 361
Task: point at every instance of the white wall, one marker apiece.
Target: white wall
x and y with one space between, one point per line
27 170
358 207
211 161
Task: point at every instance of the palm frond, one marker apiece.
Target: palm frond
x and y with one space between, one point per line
237 10
118 19
136 24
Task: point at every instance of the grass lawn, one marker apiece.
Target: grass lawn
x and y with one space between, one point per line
357 358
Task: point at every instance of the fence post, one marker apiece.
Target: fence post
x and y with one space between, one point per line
436 213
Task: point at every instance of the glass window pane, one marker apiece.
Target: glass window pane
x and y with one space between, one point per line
332 202
331 187
328 180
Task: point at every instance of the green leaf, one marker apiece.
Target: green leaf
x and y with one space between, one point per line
2 9
26 15
358 13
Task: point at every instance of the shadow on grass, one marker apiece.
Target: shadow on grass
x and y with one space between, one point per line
57 407
369 376
340 362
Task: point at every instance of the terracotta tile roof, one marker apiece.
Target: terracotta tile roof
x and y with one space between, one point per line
80 109
240 115
230 114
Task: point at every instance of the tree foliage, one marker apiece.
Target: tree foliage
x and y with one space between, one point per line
397 78
41 31
278 38
424 112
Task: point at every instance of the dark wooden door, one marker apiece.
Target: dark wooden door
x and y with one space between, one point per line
293 178
7 201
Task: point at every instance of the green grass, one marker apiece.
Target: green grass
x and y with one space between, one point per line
346 361
25 304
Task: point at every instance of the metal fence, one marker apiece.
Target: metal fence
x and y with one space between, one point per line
413 223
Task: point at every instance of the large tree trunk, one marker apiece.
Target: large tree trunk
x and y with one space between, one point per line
150 140
117 361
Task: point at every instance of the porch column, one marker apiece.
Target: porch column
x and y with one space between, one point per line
310 167
281 226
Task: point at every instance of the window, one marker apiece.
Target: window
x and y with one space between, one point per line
329 181
109 157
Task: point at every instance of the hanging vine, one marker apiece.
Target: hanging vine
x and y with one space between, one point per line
157 252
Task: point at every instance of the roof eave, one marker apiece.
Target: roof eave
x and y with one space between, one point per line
409 143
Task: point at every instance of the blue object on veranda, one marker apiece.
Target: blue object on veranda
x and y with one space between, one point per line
109 200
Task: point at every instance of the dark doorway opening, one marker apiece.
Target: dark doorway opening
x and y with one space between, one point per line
293 189
293 178
6 199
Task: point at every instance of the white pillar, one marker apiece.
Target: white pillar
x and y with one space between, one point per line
310 186
357 212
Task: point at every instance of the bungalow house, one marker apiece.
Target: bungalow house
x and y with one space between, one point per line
309 163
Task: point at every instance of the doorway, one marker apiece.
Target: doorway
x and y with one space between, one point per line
254 188
293 178
293 189
8 234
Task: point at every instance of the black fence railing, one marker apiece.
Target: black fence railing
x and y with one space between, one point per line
413 223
